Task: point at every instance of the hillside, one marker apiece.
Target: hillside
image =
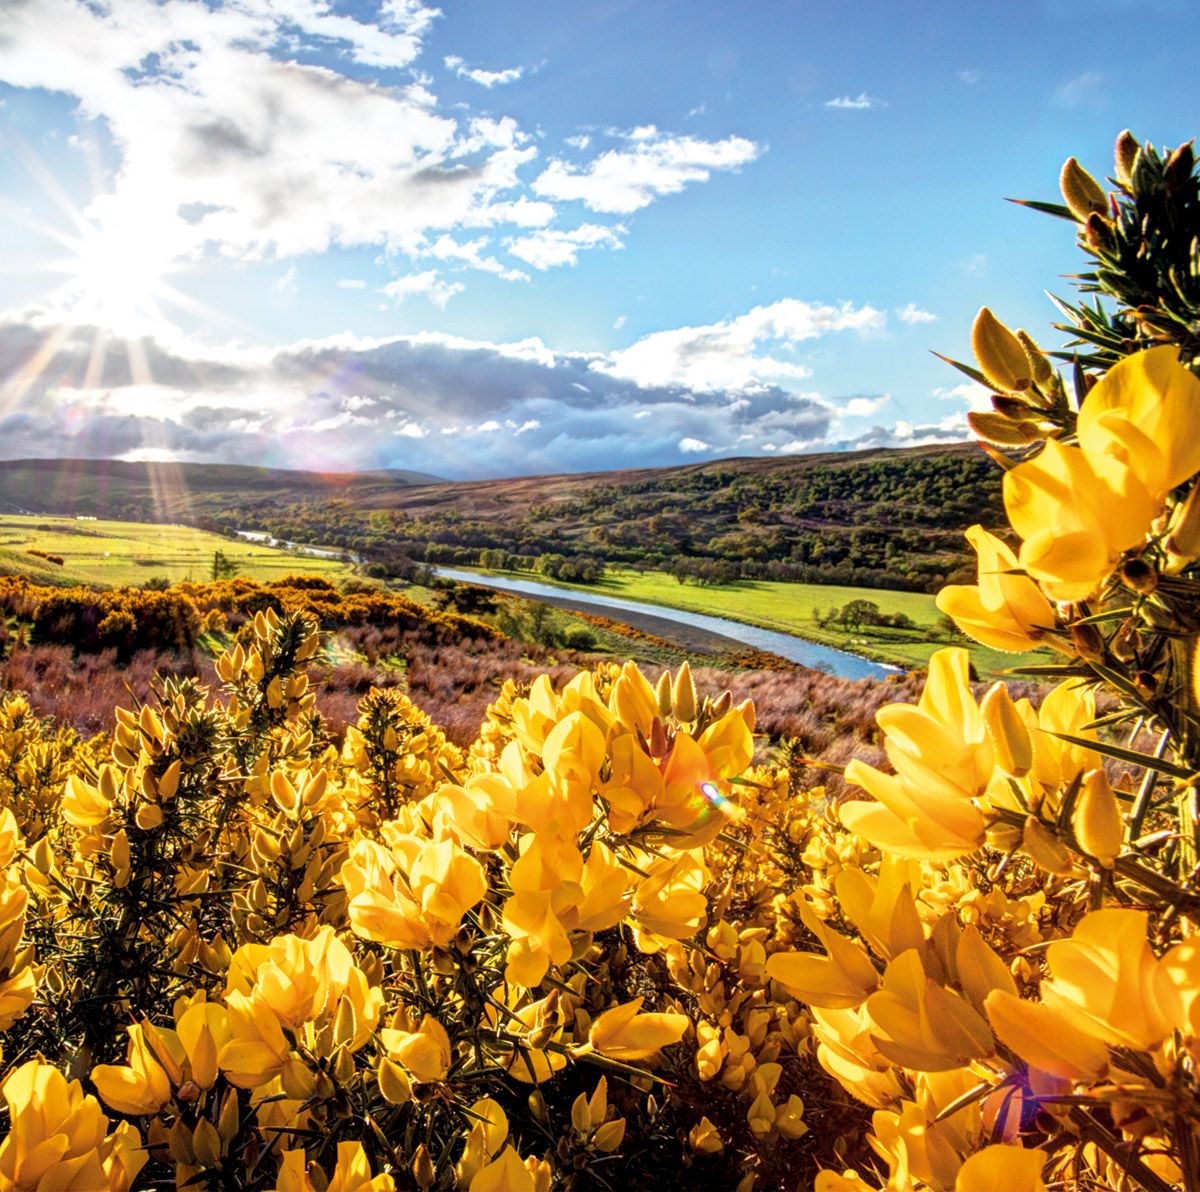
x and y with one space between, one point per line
881 518
148 491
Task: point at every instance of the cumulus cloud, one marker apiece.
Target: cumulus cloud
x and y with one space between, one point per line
438 403
864 407
650 163
856 103
912 314
429 283
485 78
728 355
551 247
256 129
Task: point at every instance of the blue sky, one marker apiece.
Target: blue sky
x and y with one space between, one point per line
497 239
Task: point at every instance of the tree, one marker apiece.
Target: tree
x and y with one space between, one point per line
223 566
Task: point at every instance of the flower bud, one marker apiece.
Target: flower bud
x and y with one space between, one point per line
537 1107
610 1136
683 695
581 1118
662 693
1098 232
1098 825
1088 642
230 1119
1042 368
1179 168
1046 849
422 1168
1124 156
394 1083
1009 732
1000 355
206 1144
1004 432
1083 194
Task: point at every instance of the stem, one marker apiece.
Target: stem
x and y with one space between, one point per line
1118 1151
1146 790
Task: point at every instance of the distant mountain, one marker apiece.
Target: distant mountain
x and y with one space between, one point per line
177 491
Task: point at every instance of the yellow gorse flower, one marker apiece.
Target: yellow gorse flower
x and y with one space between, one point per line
1079 508
58 1137
1005 611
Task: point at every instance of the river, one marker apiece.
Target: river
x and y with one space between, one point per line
795 649
319 552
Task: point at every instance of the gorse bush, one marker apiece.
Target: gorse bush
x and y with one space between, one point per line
601 944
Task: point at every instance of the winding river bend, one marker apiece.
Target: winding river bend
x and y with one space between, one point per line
795 649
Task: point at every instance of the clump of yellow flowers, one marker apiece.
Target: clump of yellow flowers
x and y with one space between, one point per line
607 947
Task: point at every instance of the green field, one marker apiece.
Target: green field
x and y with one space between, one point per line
113 553
788 608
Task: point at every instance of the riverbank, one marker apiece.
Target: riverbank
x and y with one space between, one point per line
786 609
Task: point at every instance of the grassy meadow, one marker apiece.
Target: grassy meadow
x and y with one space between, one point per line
112 553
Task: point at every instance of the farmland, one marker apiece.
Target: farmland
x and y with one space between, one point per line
113 553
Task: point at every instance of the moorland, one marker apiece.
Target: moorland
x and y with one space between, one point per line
890 519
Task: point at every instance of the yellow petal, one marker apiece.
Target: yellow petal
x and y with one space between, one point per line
1044 1038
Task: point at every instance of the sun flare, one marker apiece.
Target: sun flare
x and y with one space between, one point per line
115 275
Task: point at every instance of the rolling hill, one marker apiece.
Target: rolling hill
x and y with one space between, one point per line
879 518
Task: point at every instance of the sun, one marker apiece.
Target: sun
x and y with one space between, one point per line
114 275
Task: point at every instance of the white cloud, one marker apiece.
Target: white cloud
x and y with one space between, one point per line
698 110
428 283
551 247
913 315
621 181
1087 90
726 356
688 445
351 402
970 76
471 252
620 322
272 129
485 78
973 395
864 407
226 144
856 103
